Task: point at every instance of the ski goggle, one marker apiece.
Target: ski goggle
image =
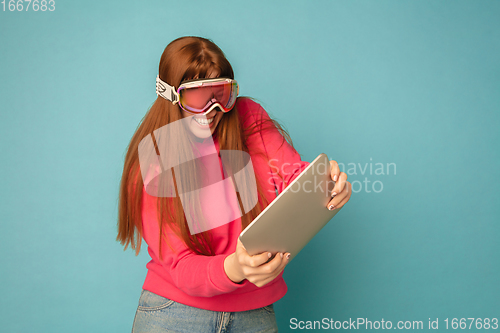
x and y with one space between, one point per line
200 96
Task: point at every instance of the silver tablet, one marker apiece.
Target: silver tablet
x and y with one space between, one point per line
296 215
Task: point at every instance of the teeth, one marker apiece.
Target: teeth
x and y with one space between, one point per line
203 121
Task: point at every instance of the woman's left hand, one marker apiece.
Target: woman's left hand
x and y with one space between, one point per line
342 190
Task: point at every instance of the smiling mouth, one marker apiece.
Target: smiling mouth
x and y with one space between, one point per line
203 121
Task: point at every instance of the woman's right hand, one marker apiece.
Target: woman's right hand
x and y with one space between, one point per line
240 266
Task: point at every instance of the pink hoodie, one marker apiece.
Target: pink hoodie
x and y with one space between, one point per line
200 281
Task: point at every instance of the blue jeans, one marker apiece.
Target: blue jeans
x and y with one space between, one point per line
159 314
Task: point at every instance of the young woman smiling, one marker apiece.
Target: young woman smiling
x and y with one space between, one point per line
200 278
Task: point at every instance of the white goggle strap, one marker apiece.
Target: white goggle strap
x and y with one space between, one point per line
166 91
213 106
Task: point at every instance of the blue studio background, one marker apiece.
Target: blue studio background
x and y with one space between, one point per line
406 94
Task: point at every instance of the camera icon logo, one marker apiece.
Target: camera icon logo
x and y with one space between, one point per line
213 191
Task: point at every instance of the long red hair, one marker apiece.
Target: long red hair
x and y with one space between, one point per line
184 58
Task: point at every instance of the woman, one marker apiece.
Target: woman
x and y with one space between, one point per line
179 190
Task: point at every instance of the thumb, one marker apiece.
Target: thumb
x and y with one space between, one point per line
240 244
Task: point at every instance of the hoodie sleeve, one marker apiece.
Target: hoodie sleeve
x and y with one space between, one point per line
284 162
195 275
